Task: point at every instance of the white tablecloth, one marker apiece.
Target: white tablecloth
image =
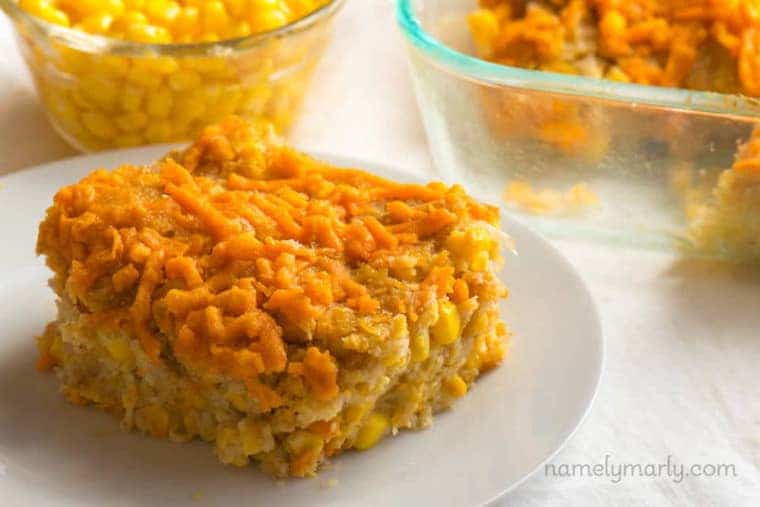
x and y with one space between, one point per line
683 339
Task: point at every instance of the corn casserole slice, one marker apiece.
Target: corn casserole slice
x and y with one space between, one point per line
244 293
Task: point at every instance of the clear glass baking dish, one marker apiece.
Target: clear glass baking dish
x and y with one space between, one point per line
575 157
101 92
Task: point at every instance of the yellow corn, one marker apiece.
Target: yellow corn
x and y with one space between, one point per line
354 413
99 125
120 100
485 27
238 400
46 10
255 437
419 345
155 420
158 132
474 247
456 386
214 16
99 23
119 350
131 98
184 80
143 77
263 21
446 328
187 22
128 140
371 432
158 103
111 66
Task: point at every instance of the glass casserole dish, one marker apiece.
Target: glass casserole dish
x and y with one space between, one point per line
581 157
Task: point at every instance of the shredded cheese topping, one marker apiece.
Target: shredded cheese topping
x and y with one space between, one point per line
657 42
224 257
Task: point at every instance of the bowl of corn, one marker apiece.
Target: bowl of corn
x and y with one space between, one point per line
118 73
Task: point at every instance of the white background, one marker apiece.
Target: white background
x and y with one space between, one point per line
683 338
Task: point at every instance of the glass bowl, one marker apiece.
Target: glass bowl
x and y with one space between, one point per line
573 156
103 93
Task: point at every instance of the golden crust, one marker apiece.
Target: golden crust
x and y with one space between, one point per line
224 257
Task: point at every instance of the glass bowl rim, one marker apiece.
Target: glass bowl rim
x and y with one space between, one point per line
88 42
486 73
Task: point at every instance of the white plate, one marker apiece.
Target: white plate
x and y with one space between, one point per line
514 419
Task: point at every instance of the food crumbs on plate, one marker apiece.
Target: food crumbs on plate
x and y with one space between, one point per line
329 484
523 196
287 310
197 496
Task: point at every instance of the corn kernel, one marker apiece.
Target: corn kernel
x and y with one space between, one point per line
129 18
62 108
187 22
238 400
255 437
98 23
300 8
155 420
130 122
236 8
456 386
480 261
150 34
446 329
100 91
158 103
214 16
162 12
159 64
72 61
263 5
158 132
240 29
188 107
226 437
266 20
469 246
354 413
128 140
131 98
119 350
613 22
420 347
184 80
111 66
485 27
99 125
46 10
300 441
255 99
143 77
371 432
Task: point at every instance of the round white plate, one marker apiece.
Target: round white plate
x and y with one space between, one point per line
514 419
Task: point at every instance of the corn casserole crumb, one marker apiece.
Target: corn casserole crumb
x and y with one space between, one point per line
243 293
